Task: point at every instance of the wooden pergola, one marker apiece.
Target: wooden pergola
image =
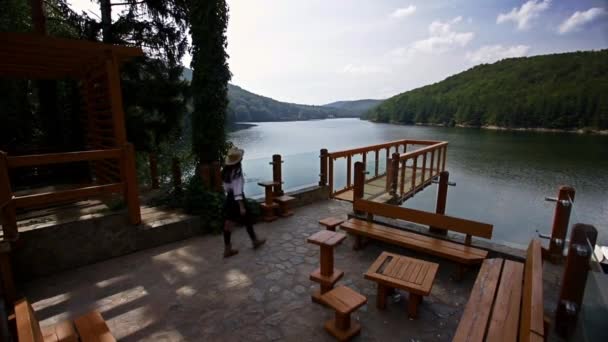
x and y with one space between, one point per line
111 157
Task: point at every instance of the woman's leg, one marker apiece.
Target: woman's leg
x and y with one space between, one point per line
228 251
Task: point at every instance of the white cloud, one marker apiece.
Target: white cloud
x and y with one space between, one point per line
443 38
404 12
493 53
525 14
579 19
363 69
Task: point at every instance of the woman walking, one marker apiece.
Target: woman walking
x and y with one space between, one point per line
234 206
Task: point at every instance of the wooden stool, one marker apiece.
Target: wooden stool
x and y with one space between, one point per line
283 202
331 223
344 300
268 206
326 275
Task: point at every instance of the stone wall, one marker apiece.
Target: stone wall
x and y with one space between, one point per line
68 245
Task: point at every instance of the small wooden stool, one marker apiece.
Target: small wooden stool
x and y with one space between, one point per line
331 223
344 300
268 206
283 202
326 275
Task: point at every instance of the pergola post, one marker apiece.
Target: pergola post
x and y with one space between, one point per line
131 191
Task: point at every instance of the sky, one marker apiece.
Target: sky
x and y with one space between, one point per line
320 51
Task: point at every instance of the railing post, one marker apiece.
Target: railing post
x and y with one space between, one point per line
330 174
394 179
323 168
359 184
377 165
349 171
442 196
561 219
176 172
414 167
153 161
131 191
8 216
444 155
423 166
432 170
582 243
276 175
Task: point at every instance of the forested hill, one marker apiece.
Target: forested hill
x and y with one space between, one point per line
561 91
247 106
357 106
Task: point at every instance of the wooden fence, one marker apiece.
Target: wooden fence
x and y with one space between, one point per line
426 163
124 182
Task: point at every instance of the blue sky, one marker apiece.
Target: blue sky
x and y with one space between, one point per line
319 51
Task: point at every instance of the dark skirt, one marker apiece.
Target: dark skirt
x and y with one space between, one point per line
232 211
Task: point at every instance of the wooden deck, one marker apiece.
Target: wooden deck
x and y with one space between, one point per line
375 188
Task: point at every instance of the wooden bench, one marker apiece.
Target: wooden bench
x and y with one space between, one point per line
462 254
89 328
284 205
344 301
506 303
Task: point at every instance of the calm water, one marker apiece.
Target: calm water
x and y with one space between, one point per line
502 177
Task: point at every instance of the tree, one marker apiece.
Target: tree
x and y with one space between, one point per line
209 21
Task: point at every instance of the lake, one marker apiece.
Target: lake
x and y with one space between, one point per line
502 177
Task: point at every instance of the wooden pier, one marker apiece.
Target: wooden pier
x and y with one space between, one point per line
408 167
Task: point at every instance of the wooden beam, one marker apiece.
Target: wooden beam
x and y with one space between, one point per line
61 158
34 200
425 218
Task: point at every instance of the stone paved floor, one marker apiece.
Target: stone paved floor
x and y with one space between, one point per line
187 291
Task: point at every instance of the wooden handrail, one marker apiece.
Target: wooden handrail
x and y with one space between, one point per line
66 195
359 150
416 153
61 158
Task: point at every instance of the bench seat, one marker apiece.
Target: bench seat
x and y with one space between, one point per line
506 302
454 251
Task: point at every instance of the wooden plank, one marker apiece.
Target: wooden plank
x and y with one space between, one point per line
505 315
532 315
61 158
425 218
344 300
92 328
476 314
28 328
66 195
415 241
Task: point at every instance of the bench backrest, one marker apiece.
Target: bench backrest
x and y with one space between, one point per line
531 326
459 225
28 328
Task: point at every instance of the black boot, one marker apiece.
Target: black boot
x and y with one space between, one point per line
228 251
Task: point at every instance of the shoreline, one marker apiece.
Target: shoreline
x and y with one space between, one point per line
511 129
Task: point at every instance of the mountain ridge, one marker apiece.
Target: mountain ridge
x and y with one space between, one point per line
557 91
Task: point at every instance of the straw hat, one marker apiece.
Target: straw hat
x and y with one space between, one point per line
234 156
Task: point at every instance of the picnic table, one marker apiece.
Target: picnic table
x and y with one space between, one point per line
393 271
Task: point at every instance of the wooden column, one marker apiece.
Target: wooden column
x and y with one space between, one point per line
442 196
131 189
330 174
204 171
216 172
377 163
9 291
176 173
402 187
8 216
423 166
432 170
561 219
277 177
153 162
349 171
38 17
394 179
575 277
115 99
414 169
444 155
323 167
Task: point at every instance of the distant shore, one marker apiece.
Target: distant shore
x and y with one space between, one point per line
233 127
512 129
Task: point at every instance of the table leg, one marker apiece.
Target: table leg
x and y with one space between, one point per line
382 293
327 261
342 321
412 307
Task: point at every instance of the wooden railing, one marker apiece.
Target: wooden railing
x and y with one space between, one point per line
122 181
390 151
425 164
